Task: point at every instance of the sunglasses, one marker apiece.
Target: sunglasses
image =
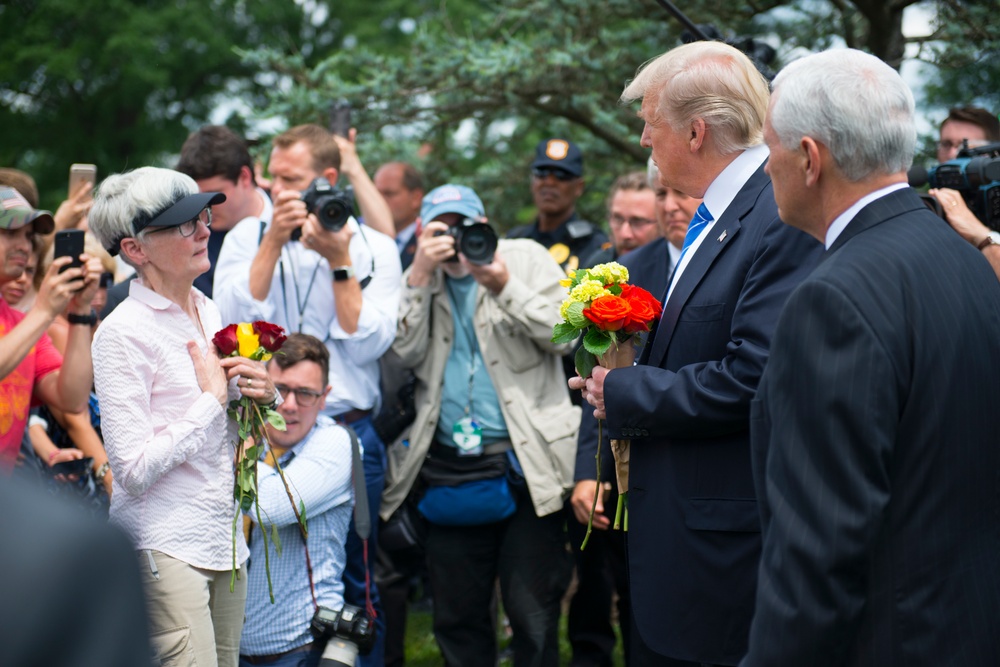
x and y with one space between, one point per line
560 174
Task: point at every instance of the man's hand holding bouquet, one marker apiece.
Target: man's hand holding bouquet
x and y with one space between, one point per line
610 314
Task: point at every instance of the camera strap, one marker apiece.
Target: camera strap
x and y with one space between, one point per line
362 520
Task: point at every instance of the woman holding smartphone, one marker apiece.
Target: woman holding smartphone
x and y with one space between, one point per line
163 393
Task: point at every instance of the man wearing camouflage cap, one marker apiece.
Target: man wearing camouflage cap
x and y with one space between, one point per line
30 367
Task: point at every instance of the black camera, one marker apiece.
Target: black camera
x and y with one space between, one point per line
474 239
976 174
347 633
332 207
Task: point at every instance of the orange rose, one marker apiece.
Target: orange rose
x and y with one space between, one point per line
608 312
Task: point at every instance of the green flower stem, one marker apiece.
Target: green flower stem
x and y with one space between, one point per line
619 511
593 507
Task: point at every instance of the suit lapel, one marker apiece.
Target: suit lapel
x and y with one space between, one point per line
890 206
714 244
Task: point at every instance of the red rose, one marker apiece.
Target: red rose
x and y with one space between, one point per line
272 337
226 341
608 312
644 309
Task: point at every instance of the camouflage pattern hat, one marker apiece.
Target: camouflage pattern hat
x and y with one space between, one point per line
16 212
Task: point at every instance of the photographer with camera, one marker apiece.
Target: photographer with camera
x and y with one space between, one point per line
313 269
966 128
494 439
315 457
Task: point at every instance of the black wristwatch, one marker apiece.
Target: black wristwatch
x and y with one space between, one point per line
342 273
90 320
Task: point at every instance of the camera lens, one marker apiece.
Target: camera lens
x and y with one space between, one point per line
478 243
339 652
333 213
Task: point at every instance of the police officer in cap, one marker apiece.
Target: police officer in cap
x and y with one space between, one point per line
556 184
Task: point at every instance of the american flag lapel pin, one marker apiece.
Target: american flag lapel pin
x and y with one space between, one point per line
722 236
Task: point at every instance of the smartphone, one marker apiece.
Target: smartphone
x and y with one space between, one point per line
340 119
69 243
74 467
81 173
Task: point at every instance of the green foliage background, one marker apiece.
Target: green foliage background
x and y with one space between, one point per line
463 88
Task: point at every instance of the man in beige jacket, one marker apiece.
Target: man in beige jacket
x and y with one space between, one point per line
494 440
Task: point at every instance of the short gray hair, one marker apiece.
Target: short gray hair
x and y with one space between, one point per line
712 81
851 102
121 198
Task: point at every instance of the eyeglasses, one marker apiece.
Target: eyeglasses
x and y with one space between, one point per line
560 174
304 397
188 228
947 144
635 223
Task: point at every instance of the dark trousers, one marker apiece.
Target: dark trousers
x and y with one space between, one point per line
600 571
354 571
396 572
528 554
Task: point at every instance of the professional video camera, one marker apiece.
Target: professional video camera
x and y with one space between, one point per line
346 633
976 174
474 239
332 207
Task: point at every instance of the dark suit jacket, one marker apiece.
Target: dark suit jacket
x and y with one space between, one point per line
876 437
70 592
693 539
648 267
409 250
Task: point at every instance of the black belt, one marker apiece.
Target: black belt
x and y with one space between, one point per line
352 416
274 657
451 451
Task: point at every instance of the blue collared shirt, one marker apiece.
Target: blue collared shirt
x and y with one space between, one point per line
318 471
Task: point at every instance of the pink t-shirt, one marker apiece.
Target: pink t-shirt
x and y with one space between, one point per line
16 390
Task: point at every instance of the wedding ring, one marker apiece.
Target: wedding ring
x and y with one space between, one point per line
249 382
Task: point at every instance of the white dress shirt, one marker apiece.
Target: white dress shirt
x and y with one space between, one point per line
720 195
301 300
842 220
170 444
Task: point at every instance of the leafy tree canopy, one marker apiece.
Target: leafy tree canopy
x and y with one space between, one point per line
479 84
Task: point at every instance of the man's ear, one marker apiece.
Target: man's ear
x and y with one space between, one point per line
812 165
331 175
698 130
246 178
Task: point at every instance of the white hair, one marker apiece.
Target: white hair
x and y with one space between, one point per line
851 102
652 173
143 192
712 81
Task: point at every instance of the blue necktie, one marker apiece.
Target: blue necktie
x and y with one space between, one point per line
701 218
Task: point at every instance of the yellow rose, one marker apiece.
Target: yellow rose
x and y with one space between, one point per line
249 340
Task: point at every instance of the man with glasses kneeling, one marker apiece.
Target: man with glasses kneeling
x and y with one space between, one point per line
315 456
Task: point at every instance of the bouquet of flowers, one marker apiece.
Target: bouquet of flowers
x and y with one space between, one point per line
257 341
610 314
